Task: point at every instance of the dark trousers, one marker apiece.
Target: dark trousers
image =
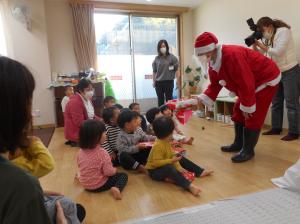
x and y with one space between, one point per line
169 171
289 90
132 161
190 166
118 180
164 91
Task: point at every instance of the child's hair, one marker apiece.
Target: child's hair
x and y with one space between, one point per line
163 127
16 89
127 116
107 99
132 105
164 107
108 114
83 83
119 106
90 133
150 114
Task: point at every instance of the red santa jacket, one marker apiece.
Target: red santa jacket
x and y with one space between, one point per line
243 72
74 115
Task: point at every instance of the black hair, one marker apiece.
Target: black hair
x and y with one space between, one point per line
108 114
163 127
119 106
127 116
159 46
16 89
108 98
83 84
150 114
90 133
164 107
132 105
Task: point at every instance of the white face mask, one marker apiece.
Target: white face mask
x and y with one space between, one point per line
203 62
89 94
163 50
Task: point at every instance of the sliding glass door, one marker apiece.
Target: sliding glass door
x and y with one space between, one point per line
126 47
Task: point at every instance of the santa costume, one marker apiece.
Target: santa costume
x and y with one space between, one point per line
247 74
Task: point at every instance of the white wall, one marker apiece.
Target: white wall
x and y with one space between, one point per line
31 48
227 19
60 36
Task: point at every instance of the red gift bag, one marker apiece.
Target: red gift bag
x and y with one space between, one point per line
189 175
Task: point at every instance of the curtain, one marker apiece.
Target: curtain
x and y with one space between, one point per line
84 35
5 43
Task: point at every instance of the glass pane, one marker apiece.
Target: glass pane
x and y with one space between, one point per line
113 53
3 50
146 32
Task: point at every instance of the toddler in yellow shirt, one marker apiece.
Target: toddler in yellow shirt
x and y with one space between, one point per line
163 164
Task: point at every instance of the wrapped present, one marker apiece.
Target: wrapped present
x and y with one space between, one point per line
182 109
189 175
177 149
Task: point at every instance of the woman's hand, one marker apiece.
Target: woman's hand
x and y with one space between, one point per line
60 216
261 46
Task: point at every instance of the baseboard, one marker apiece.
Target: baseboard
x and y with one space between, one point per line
43 126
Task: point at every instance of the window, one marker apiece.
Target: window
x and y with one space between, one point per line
3 49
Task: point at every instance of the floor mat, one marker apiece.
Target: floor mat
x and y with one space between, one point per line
275 206
45 134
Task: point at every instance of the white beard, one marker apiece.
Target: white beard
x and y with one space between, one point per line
203 66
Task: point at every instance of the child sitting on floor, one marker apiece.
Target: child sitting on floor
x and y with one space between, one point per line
69 91
110 117
109 101
136 107
164 164
133 152
178 135
96 173
151 115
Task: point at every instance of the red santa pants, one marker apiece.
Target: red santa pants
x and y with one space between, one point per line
263 101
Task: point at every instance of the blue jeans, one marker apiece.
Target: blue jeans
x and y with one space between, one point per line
289 90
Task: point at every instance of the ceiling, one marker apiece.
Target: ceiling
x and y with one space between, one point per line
181 3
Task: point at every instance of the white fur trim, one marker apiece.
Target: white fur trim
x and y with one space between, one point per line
273 82
222 82
206 100
232 94
205 49
249 110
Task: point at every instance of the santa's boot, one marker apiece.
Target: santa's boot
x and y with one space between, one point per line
247 152
237 144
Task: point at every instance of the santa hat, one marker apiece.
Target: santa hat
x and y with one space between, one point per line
205 42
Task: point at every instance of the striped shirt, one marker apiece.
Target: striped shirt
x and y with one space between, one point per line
112 132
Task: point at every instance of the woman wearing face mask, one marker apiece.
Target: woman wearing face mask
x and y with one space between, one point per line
79 109
279 45
247 74
165 69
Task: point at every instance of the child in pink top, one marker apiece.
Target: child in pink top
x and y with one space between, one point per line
96 172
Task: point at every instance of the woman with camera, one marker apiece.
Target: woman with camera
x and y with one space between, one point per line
278 44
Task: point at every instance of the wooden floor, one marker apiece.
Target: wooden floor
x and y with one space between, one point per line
143 197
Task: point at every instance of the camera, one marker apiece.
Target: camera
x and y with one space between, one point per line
256 35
